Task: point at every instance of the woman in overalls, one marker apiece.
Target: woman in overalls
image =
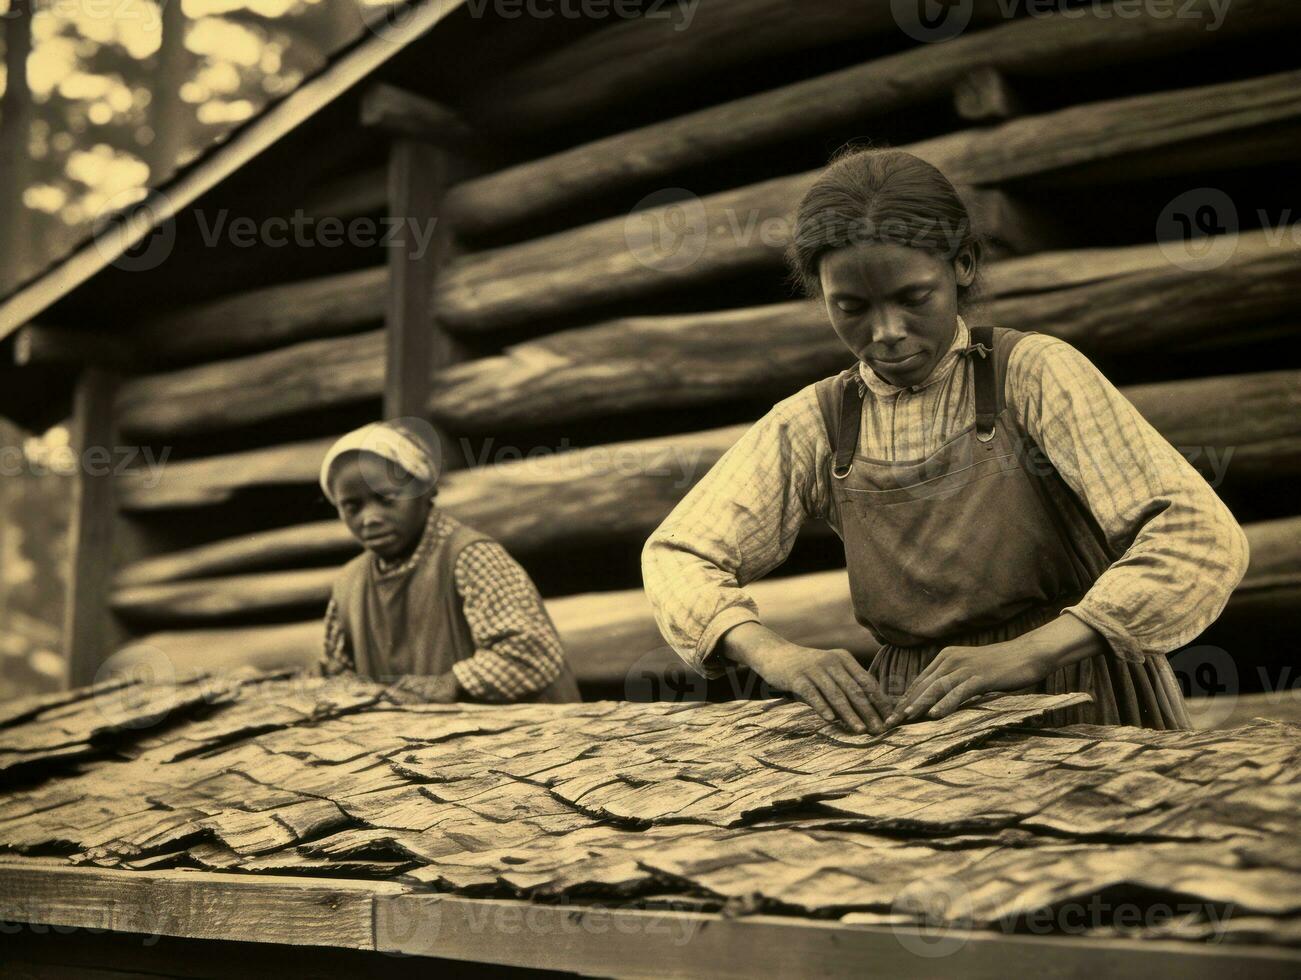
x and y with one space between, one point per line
1009 520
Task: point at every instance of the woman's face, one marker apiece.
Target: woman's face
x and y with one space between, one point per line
376 502
894 306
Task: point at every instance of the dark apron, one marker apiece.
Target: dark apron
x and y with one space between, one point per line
979 542
409 621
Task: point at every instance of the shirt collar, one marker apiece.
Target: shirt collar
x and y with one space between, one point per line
879 386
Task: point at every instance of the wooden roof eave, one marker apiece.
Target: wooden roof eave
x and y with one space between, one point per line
223 160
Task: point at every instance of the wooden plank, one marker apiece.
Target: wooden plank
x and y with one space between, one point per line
596 939
607 941
747 228
88 633
402 113
272 124
200 905
1101 300
1042 45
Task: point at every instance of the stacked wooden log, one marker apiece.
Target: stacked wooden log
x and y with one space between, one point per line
615 370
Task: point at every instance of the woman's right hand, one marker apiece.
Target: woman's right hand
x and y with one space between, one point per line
832 682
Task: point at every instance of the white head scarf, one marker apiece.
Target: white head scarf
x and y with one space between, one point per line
397 441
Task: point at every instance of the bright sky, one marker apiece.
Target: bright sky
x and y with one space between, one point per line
237 68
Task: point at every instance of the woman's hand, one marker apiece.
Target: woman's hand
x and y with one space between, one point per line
959 673
424 689
831 682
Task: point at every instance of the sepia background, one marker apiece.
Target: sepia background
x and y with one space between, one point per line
576 220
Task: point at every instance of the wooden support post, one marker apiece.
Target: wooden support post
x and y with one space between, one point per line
426 158
89 634
403 113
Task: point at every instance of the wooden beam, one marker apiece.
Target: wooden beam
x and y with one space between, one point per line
810 609
265 318
985 95
215 479
609 637
746 229
405 114
589 493
89 634
297 544
1264 421
215 600
1038 46
54 344
1104 301
648 57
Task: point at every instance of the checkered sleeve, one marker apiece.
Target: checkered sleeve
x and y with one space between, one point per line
517 650
736 525
336 658
1183 551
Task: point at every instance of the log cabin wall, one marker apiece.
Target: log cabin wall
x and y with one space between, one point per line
605 306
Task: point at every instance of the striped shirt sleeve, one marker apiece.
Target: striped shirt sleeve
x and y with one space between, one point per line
517 650
734 526
1183 551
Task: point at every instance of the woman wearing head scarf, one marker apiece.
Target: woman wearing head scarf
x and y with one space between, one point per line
1009 520
435 607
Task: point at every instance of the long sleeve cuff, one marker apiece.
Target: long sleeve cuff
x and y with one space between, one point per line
469 680
707 661
1122 644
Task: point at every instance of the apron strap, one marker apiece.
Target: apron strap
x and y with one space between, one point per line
851 418
982 343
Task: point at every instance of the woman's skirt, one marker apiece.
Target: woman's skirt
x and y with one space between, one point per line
1145 695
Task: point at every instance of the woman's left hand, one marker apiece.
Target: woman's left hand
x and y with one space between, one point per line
959 673
422 689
